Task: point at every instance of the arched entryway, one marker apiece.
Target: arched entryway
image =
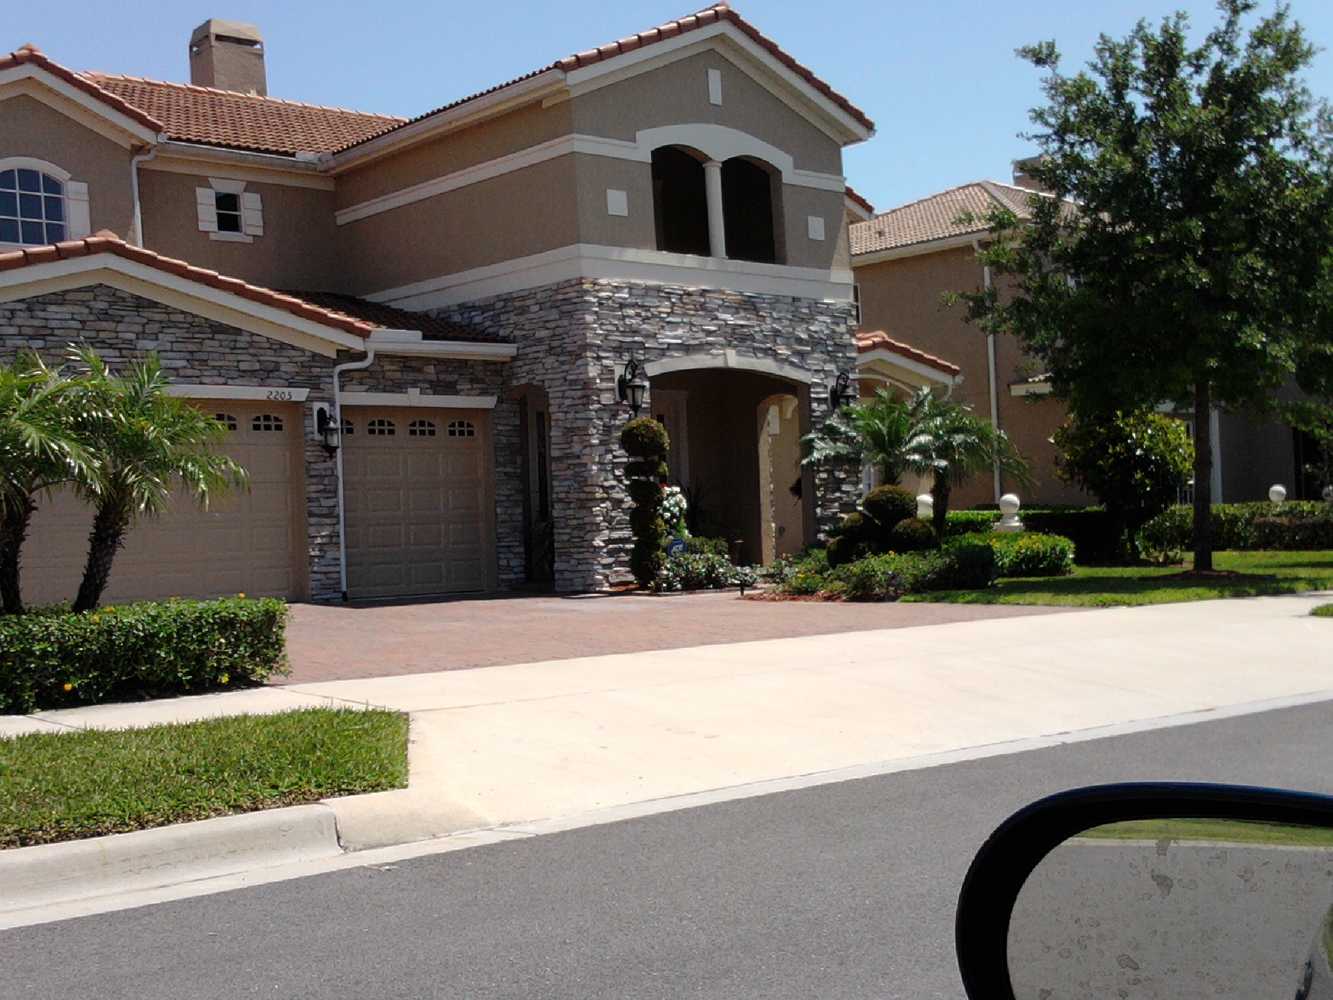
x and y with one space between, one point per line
735 450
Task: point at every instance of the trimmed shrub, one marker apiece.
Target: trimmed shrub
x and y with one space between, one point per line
966 522
1030 553
694 571
885 506
696 545
911 535
960 564
875 578
1235 526
646 442
1092 530
55 658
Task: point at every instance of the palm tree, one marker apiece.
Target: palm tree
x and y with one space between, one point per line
149 442
875 430
40 449
952 444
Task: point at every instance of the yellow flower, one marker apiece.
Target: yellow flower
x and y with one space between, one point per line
224 678
242 596
69 686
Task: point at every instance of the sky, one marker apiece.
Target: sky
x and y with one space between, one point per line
939 78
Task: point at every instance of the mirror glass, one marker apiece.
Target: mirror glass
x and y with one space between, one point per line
1178 909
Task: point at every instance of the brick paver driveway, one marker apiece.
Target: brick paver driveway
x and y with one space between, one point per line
328 642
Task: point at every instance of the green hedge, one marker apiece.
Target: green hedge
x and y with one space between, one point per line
54 658
1089 528
960 564
1291 526
1030 553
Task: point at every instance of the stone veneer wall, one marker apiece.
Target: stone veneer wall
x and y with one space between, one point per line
574 339
194 349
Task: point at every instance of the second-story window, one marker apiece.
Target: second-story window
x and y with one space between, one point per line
750 190
228 212
32 207
228 208
680 202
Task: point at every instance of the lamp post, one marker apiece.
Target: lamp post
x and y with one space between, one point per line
327 429
631 386
840 392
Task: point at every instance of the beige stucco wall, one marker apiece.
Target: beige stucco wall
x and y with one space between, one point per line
516 214
902 298
29 127
496 137
297 251
678 93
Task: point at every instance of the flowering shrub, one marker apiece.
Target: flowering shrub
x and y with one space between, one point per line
56 658
1030 553
703 571
674 508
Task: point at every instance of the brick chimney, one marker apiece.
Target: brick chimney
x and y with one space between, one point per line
228 55
1023 175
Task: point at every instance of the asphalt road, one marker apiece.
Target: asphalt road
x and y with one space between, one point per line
838 891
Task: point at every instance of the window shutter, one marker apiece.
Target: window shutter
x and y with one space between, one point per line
252 214
77 221
206 204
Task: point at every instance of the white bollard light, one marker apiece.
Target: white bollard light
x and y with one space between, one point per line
1277 493
925 506
1009 505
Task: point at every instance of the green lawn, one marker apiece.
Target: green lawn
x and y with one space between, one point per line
62 786
1105 586
1323 611
1226 831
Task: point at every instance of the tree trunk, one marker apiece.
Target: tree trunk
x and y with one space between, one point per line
104 541
1203 477
13 530
940 489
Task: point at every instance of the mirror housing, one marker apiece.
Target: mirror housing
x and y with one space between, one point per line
1011 854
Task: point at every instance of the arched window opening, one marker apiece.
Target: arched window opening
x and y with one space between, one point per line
32 207
750 210
680 202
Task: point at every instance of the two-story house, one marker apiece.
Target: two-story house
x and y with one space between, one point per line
419 332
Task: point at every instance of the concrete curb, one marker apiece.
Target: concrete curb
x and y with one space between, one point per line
149 859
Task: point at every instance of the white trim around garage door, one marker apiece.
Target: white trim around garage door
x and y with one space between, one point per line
417 398
274 393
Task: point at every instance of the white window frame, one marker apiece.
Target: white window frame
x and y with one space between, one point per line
78 223
249 204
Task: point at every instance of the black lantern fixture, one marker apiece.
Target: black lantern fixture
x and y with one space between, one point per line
631 386
841 391
327 430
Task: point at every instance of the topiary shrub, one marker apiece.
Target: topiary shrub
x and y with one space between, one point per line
912 535
647 444
960 564
885 506
56 658
874 578
1031 553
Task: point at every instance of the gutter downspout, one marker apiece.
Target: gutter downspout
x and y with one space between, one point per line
350 366
136 237
991 379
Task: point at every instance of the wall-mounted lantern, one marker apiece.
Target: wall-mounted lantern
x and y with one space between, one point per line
326 429
631 386
840 394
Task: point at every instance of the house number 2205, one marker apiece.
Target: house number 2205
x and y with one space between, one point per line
279 394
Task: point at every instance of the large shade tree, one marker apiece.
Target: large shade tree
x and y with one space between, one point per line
1185 255
150 443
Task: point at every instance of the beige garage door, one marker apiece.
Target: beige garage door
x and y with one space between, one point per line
416 484
246 542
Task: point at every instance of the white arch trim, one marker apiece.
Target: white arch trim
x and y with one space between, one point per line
727 359
720 143
78 221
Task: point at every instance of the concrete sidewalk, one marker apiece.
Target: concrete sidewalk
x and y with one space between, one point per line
541 741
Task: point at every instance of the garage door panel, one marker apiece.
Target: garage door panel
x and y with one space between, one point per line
246 541
416 505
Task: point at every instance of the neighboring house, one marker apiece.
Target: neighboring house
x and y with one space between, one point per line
907 258
414 330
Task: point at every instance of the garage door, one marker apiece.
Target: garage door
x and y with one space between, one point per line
416 487
246 542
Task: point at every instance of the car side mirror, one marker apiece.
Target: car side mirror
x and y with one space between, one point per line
1153 892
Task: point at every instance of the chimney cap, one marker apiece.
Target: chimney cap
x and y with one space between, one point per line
238 30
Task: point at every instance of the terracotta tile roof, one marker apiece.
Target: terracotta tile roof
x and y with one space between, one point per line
242 121
31 55
109 243
389 318
858 199
936 217
671 29
878 340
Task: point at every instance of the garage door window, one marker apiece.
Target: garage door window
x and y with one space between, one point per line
462 429
381 428
347 427
421 428
266 422
226 420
